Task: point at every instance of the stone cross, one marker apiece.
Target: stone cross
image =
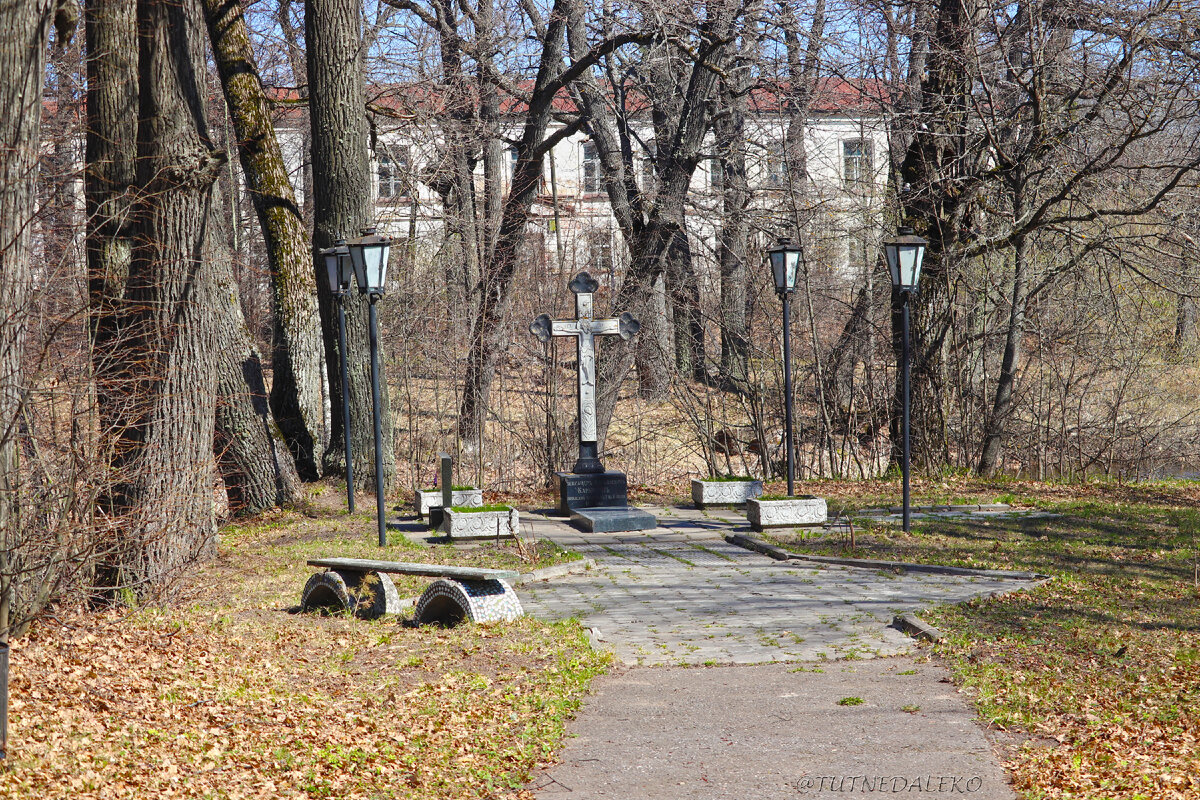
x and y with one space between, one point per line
585 328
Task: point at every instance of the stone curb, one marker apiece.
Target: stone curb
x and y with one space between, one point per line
917 628
750 543
965 508
556 571
865 563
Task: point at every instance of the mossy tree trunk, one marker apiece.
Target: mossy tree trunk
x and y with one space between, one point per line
295 397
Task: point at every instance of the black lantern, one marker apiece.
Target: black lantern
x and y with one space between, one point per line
785 263
370 256
904 256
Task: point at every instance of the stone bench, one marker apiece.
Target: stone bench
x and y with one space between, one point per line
362 586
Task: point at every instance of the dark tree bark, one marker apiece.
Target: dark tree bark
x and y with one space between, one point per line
729 130
934 201
341 178
251 452
296 373
110 181
163 460
488 337
24 33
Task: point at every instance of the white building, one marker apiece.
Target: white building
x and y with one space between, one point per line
845 146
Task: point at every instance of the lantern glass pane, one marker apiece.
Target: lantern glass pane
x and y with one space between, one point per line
792 258
360 267
345 268
893 259
332 270
778 265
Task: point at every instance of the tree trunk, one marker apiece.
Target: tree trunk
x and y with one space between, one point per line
687 316
110 184
933 201
163 461
251 452
341 177
489 337
993 435
296 372
24 33
732 239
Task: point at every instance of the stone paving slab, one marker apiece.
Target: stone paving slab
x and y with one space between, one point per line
681 594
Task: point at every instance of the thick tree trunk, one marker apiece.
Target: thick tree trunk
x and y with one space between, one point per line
341 177
251 452
296 372
933 201
732 239
110 183
163 457
24 32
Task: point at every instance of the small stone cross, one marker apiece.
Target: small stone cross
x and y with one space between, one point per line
585 328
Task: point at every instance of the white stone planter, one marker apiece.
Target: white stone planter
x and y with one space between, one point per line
481 523
423 501
719 492
800 510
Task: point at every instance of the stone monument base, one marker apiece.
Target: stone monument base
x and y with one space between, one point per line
589 490
613 519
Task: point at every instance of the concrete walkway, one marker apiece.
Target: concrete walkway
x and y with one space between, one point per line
681 595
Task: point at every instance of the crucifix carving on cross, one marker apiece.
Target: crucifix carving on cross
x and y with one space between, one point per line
585 328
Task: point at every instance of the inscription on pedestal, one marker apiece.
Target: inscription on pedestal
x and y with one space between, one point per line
591 490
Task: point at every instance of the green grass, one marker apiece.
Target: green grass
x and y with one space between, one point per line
1100 666
478 509
454 488
728 478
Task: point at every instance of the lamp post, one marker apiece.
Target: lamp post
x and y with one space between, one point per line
337 266
369 254
904 255
785 259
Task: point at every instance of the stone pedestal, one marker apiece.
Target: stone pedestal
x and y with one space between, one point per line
608 488
793 511
598 502
712 493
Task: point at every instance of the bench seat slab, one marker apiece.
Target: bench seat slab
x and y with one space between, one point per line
412 568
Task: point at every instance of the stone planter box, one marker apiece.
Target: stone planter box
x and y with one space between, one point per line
481 524
800 510
707 493
423 501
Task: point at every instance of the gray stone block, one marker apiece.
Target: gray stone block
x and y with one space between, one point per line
706 493
423 501
481 524
613 519
803 510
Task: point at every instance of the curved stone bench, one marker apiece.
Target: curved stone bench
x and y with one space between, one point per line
362 586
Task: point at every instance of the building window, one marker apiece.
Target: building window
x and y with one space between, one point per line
393 174
774 167
858 165
592 181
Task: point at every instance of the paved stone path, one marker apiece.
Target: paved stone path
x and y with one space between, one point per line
682 595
